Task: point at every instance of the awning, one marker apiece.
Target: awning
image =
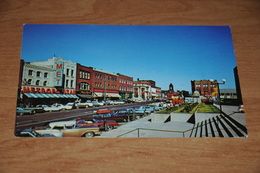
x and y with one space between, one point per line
97 94
39 95
113 95
85 95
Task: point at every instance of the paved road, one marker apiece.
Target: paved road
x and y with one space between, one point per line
42 119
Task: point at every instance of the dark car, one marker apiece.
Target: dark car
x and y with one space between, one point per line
31 133
102 124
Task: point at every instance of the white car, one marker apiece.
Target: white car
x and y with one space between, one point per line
85 105
63 107
49 108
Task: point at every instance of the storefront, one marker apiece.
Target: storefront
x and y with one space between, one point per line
34 99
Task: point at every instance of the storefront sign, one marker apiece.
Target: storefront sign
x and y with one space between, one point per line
28 89
58 74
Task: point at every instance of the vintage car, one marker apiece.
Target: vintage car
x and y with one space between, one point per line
49 108
31 133
102 124
102 111
72 130
85 105
97 104
63 107
36 109
117 116
22 111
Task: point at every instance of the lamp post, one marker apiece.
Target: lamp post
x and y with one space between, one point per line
223 82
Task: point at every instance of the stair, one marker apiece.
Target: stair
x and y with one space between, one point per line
219 126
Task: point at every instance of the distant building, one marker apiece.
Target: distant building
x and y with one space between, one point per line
205 87
146 90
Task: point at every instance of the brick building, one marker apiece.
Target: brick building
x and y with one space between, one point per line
205 87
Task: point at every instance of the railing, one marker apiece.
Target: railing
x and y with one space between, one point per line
139 129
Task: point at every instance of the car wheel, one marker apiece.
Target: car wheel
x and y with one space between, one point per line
110 127
89 135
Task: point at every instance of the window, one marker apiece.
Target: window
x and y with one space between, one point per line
30 72
37 82
67 83
38 74
46 74
72 73
68 72
71 83
45 83
84 86
29 81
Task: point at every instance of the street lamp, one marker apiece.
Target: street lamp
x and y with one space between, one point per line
223 82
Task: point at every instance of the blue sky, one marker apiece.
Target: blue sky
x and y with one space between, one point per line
165 54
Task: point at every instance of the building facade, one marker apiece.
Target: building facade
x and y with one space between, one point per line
105 85
84 82
125 86
205 87
146 90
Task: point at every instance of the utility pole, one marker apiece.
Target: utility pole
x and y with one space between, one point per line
105 88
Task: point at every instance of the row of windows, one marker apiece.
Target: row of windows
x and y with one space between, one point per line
84 86
109 86
123 88
38 73
37 82
69 84
100 76
205 85
70 72
84 75
124 81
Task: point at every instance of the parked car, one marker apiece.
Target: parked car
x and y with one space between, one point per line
63 107
49 108
119 117
72 130
22 111
74 105
31 133
97 104
85 105
36 109
102 124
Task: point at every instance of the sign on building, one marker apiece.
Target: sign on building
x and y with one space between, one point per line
59 74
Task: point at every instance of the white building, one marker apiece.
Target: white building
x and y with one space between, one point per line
37 75
65 75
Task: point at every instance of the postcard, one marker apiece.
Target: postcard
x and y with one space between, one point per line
128 81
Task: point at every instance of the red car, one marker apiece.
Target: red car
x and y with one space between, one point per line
102 124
